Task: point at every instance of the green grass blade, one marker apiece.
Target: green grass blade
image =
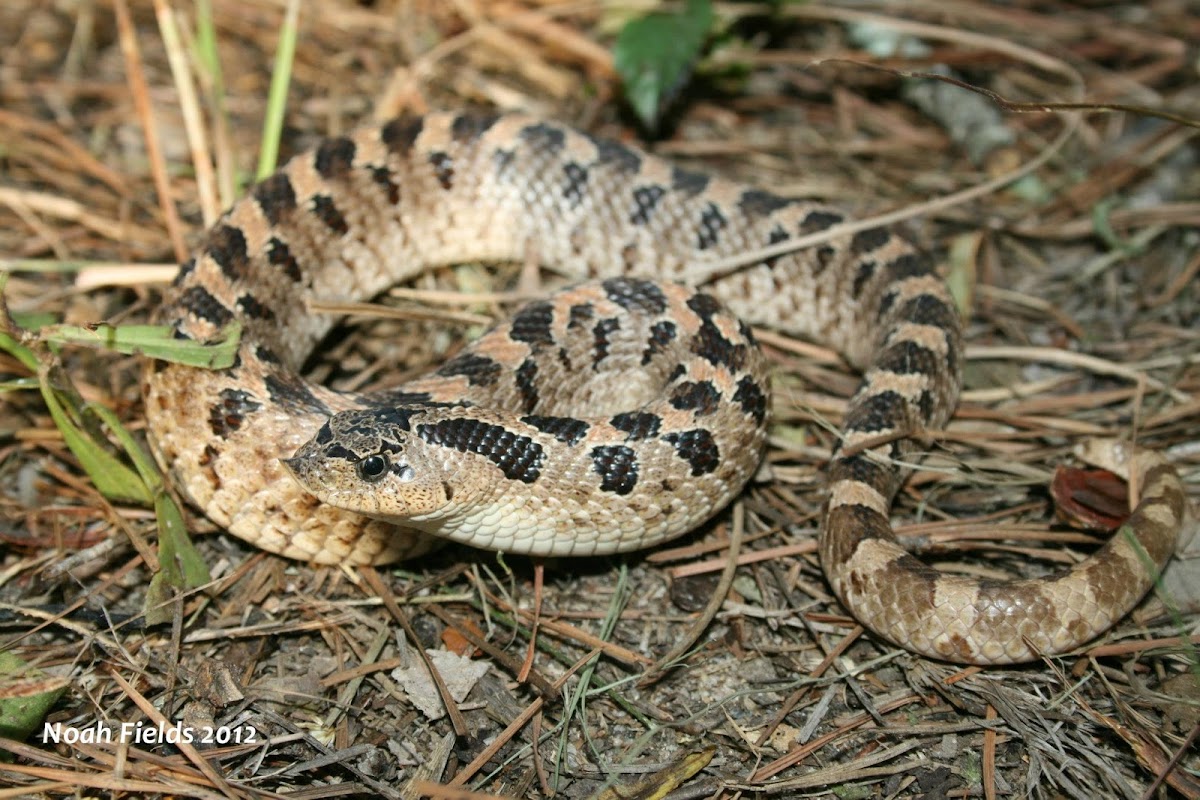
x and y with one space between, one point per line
180 566
82 426
281 78
111 477
155 341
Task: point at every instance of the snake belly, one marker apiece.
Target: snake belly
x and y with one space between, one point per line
362 212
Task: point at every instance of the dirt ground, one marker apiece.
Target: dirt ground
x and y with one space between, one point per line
1079 281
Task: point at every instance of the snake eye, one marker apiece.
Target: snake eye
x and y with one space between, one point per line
372 468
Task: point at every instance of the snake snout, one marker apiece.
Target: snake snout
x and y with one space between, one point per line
305 471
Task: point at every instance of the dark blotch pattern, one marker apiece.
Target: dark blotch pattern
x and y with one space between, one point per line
276 197
876 413
698 448
467 128
478 370
544 139
209 455
334 157
532 324
567 430
383 179
909 265
228 415
688 182
908 358
576 183
341 452
227 246
389 400
869 240
704 305
443 169
699 397
777 235
924 406
203 305
526 380
819 220
634 294
751 398
662 333
645 199
862 275
399 416
327 211
822 258
518 457
886 303
266 354
290 392
637 425
747 332
711 345
757 203
602 333
401 133
858 524
253 309
617 466
580 315
711 223
502 162
926 309
616 157
281 256
862 468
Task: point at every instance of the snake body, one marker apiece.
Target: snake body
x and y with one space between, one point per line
608 417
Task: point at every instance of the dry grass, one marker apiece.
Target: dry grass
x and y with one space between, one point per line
1081 281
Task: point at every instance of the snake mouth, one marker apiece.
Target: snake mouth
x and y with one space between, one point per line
300 469
309 475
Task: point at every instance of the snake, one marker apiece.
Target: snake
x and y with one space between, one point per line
610 416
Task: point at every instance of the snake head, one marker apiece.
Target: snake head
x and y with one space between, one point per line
363 461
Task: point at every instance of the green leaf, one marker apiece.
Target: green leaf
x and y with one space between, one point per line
29 696
32 320
962 274
655 54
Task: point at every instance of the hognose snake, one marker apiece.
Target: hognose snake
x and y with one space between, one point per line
676 440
